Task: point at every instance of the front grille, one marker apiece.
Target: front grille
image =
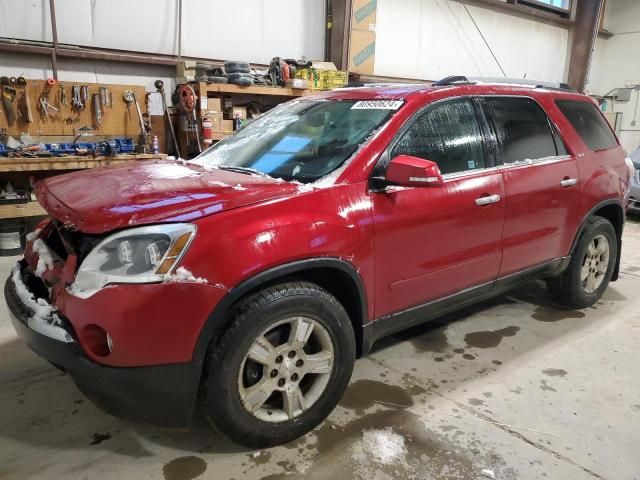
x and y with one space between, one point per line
65 241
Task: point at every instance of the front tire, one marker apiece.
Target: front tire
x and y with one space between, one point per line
281 366
590 269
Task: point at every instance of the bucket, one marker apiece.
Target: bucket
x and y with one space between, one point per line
12 237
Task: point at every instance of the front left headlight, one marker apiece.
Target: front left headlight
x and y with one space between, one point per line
137 255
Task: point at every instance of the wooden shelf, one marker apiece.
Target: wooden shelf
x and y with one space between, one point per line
252 90
71 162
17 210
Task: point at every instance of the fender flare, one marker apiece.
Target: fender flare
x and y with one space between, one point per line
216 319
598 206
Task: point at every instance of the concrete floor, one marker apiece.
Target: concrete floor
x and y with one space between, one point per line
512 385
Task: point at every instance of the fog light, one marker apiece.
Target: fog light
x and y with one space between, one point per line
96 340
109 343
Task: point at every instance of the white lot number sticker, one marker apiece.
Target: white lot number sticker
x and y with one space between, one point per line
377 105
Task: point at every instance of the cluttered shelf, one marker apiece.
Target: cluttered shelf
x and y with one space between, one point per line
254 89
70 162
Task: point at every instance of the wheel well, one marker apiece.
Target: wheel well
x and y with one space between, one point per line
339 284
615 215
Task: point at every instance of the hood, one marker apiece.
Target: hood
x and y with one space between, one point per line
105 199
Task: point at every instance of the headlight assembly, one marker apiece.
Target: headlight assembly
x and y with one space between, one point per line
137 255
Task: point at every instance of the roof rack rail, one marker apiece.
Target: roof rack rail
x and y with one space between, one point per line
451 80
462 80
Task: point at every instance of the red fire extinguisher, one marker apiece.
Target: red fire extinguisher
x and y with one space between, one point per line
207 130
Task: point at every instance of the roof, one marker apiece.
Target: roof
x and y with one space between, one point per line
403 91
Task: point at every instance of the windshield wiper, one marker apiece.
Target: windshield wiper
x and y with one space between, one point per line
247 170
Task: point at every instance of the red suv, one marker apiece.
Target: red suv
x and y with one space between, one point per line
246 282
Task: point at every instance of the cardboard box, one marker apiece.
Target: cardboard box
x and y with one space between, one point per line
227 126
362 47
297 83
187 79
363 16
216 121
186 69
321 66
242 111
214 104
362 52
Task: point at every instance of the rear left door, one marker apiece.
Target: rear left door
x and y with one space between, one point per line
541 180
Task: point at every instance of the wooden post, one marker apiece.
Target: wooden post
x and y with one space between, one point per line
340 27
585 32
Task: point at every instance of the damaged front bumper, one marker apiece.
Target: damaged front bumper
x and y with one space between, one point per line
160 394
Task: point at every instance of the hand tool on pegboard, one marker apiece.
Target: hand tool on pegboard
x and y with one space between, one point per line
8 96
159 84
97 110
63 93
25 101
46 108
130 97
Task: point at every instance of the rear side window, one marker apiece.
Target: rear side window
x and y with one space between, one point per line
448 134
522 129
586 119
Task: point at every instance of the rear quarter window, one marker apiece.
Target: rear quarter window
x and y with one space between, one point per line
590 125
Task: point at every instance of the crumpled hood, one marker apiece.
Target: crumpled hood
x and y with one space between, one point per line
105 199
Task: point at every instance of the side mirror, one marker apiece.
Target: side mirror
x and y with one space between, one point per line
409 171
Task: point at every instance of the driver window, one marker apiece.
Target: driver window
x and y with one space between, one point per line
447 134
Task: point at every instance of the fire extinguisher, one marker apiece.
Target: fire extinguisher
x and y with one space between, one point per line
207 130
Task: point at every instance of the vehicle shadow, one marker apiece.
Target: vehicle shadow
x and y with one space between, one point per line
41 407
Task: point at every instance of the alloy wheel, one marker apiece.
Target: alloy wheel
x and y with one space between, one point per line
286 369
595 264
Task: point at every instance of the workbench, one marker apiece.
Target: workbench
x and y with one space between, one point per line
69 162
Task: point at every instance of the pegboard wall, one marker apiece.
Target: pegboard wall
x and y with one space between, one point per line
119 119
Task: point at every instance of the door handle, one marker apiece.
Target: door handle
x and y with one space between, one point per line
568 182
489 199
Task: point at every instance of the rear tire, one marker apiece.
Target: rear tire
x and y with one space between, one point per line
590 269
280 367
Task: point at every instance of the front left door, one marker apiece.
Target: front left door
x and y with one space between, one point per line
432 242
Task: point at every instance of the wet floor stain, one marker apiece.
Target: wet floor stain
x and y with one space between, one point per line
551 314
261 458
545 387
554 372
476 402
184 468
468 356
427 454
98 438
459 350
635 408
363 394
435 340
489 339
496 362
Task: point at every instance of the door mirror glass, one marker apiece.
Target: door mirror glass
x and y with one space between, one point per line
408 171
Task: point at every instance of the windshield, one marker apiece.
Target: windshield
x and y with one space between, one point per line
301 140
